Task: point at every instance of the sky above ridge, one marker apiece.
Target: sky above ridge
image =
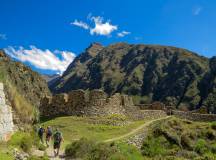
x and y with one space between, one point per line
47 34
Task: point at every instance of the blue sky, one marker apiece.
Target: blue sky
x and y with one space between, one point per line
48 34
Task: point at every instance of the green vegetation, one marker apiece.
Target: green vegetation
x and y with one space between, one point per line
24 88
149 73
174 138
97 128
91 150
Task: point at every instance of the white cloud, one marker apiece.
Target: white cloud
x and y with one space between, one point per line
42 59
3 36
196 10
123 33
102 28
80 24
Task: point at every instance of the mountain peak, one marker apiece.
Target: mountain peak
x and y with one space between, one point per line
3 54
94 48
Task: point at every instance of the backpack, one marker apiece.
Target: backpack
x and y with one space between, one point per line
40 132
49 132
57 137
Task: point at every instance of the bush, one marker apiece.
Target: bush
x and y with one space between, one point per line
213 125
186 142
200 146
88 149
127 152
26 143
153 147
23 140
213 148
79 149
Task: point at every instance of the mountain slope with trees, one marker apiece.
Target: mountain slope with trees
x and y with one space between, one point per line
149 73
24 88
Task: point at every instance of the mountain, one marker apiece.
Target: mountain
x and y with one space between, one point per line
149 73
24 87
50 79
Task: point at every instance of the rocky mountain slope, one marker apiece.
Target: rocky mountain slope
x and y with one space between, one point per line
50 79
24 88
148 72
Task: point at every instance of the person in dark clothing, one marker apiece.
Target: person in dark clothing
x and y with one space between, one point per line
58 139
48 135
40 133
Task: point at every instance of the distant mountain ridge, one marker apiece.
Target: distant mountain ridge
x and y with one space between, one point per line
149 73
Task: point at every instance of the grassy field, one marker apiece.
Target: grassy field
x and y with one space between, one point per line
96 128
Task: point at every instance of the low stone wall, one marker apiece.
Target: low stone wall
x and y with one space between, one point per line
6 119
147 114
194 116
79 102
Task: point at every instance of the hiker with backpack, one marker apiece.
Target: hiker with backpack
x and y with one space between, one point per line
48 135
58 139
40 133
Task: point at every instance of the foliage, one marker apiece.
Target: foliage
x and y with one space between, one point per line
99 128
186 139
201 146
153 147
149 73
91 150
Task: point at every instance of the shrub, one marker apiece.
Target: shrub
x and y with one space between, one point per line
213 148
88 149
127 152
213 125
186 141
79 149
26 143
200 146
153 147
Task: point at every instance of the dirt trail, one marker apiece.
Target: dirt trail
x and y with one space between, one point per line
50 153
136 130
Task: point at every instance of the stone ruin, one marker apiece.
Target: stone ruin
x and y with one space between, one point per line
6 118
97 103
80 102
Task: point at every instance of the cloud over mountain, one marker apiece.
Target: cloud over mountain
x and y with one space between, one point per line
123 33
56 61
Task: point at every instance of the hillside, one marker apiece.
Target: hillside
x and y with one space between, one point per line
24 87
147 72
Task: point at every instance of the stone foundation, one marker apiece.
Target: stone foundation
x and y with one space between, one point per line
194 116
79 102
6 118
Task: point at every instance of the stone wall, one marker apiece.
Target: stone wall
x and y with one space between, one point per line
6 119
79 102
147 114
194 116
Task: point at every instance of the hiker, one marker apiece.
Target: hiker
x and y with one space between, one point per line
58 138
48 135
40 133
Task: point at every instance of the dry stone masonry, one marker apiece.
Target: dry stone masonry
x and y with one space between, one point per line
79 102
6 120
194 116
96 102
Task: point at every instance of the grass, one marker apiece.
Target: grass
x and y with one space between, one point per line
98 128
5 152
172 137
92 150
